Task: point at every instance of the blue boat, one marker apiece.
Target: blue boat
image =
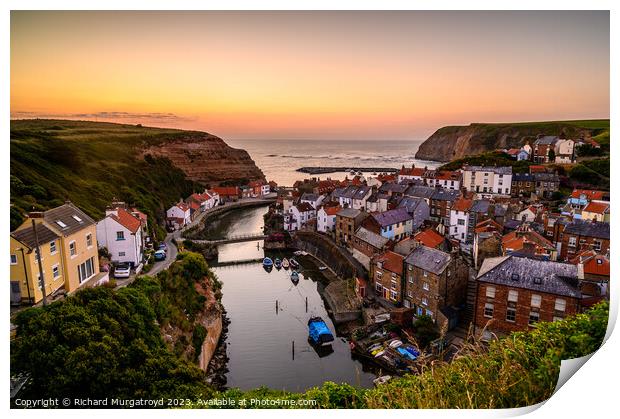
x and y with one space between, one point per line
295 277
277 263
318 332
267 262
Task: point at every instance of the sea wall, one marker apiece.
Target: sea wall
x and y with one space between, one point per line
209 345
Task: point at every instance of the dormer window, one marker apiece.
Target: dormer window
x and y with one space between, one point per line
514 277
537 280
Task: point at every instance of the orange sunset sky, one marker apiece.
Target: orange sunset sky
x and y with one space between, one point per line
324 75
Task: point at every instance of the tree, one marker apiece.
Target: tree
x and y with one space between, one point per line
551 155
425 330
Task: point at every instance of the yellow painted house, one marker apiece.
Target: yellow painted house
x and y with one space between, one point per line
68 242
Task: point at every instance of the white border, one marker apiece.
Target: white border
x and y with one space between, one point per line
590 393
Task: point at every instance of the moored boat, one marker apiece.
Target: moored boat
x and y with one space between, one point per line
294 264
267 262
318 332
295 277
285 263
277 263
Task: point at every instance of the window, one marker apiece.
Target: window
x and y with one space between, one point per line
572 241
425 286
61 224
424 301
461 222
72 249
393 294
513 296
379 274
86 270
407 304
409 294
560 304
429 313
411 279
378 287
89 240
536 299
120 235
597 245
425 274
488 310
511 314
13 259
534 317
121 254
393 285
55 271
490 292
76 218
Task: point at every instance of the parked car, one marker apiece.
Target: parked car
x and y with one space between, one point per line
122 270
162 246
160 255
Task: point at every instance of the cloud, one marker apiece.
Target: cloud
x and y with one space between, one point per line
108 115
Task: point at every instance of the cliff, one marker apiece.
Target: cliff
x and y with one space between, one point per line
207 159
92 163
454 142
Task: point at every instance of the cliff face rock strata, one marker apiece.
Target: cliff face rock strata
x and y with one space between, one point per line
207 159
454 142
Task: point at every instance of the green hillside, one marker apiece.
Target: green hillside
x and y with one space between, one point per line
90 163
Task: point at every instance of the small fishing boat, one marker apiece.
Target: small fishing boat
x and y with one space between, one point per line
322 268
318 332
294 264
285 263
295 277
267 262
352 172
277 263
396 343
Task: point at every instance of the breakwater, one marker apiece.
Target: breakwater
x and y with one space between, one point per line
316 170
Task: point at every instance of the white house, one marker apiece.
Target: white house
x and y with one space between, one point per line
528 214
564 151
491 180
312 199
358 201
121 233
326 219
213 200
459 216
301 214
179 215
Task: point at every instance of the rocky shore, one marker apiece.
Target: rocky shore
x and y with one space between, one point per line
218 366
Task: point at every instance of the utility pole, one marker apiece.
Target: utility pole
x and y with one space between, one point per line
38 254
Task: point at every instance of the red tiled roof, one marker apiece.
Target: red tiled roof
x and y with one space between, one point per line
513 151
487 225
597 207
411 171
593 263
332 210
462 204
448 175
590 194
537 169
392 262
126 219
517 240
227 190
194 205
429 238
183 206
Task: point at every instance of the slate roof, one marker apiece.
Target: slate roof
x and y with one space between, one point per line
431 260
501 170
71 216
390 217
374 239
410 203
307 196
393 187
547 140
349 212
555 278
480 206
420 191
523 177
442 194
26 235
361 192
546 177
583 228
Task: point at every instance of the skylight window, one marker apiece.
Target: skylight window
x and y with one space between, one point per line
538 280
76 218
61 224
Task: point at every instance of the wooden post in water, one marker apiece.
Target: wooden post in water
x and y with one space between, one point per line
276 306
293 349
306 304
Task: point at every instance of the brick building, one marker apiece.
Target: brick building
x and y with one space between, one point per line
347 221
583 235
386 272
515 293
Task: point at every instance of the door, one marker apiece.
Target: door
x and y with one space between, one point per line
16 294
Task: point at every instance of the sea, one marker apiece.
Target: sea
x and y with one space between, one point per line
279 159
